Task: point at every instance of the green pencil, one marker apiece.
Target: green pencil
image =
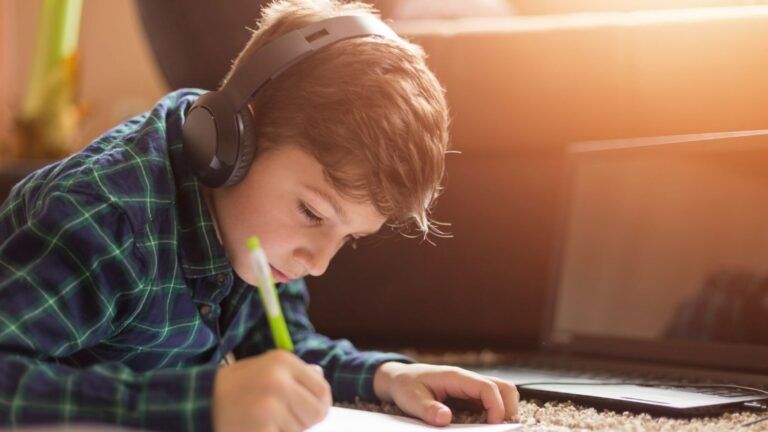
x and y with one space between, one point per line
268 293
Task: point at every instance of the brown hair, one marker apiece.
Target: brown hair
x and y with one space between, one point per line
368 109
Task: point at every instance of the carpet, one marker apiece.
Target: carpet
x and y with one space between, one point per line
564 416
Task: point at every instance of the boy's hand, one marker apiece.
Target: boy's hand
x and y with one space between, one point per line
420 389
271 392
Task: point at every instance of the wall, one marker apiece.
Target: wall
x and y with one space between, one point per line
575 6
6 78
118 75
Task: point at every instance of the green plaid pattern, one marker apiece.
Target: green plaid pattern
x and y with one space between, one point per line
117 301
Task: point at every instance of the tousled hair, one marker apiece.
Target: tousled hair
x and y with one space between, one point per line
368 109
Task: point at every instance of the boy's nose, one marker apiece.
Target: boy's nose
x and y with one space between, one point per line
318 269
316 260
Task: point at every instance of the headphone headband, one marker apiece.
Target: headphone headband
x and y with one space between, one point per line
275 57
216 130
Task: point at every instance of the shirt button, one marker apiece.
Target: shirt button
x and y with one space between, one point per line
205 310
221 278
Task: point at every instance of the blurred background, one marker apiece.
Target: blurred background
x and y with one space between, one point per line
524 79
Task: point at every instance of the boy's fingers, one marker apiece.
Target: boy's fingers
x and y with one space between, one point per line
315 382
285 419
492 400
510 396
475 386
421 403
306 408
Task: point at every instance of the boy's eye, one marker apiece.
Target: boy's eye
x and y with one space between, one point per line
309 214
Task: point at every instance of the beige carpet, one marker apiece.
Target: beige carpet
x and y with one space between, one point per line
563 416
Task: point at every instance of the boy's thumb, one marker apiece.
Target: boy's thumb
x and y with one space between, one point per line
435 413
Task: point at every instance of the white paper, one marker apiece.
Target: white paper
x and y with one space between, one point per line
352 420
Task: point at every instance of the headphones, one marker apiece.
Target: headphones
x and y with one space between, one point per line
218 132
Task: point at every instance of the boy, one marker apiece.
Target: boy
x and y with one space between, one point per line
124 280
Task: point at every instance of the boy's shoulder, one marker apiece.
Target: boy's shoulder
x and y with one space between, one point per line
135 166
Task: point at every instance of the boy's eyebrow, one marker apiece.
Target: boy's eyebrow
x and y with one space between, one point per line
327 197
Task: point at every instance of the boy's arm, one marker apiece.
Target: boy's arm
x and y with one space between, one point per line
70 274
349 371
39 391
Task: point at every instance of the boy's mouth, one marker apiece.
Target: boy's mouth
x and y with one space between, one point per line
279 276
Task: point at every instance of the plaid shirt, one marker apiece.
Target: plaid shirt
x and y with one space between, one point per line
117 300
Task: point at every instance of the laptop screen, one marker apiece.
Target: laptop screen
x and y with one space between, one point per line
665 249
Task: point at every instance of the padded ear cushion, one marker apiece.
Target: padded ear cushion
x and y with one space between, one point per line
247 149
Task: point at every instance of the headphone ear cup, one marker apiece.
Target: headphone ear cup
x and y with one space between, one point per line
247 148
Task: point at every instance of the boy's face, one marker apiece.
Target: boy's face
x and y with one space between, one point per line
300 219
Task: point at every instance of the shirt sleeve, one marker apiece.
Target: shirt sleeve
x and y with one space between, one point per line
349 371
70 274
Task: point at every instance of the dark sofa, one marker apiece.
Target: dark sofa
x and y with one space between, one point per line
520 89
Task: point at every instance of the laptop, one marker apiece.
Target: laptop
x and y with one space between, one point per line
659 300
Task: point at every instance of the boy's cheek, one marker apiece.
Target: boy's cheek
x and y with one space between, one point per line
242 270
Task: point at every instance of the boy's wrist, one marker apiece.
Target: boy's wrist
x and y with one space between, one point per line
382 379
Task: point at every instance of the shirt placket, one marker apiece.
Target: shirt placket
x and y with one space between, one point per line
208 302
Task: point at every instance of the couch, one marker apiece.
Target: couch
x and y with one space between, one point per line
521 89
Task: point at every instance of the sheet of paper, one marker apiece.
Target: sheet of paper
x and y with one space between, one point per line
352 420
